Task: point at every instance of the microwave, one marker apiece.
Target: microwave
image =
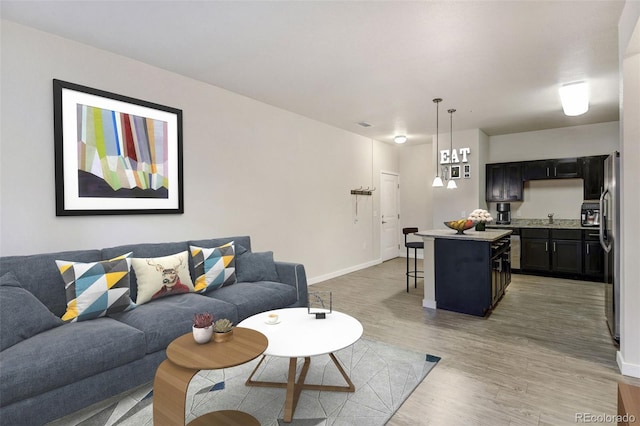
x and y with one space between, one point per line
590 214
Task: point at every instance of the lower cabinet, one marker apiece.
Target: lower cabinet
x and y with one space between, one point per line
563 252
593 254
566 251
534 255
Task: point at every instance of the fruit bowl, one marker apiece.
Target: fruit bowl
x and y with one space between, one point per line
460 225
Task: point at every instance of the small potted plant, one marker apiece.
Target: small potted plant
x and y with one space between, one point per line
222 330
202 327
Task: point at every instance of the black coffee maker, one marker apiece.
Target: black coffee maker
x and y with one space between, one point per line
504 214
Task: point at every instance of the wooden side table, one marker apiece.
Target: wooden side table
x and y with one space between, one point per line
184 359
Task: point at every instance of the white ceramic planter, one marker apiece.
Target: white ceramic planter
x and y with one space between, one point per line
202 335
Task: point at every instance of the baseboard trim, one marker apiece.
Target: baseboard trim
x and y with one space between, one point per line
626 368
319 279
431 304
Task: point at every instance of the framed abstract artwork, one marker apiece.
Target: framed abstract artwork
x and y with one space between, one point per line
115 154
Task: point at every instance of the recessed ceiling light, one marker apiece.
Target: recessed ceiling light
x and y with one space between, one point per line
400 139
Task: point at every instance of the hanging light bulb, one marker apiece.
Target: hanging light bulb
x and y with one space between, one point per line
452 183
437 181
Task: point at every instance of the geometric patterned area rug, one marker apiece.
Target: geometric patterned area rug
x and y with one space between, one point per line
384 377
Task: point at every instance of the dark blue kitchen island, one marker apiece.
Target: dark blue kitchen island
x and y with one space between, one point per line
468 272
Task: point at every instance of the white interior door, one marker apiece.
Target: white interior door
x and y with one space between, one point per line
389 216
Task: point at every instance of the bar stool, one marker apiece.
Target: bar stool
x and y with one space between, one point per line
415 245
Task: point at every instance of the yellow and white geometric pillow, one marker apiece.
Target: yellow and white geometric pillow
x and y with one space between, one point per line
96 289
214 267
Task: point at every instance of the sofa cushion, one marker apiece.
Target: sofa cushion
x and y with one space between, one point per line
251 267
96 289
143 251
167 318
66 354
238 242
256 297
39 275
21 314
244 241
213 267
162 276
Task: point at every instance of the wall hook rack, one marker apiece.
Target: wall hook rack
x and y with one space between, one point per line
363 191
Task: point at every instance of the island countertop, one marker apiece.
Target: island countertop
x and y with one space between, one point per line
488 235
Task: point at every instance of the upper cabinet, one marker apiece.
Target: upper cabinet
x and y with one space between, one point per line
504 182
593 175
552 169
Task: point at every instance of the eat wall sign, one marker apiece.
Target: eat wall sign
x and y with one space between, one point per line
455 157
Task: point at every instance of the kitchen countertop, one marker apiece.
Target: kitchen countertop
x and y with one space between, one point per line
542 223
488 235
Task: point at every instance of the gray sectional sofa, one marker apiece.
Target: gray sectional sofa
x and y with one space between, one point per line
50 368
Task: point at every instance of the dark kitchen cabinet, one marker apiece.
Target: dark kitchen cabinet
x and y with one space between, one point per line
534 250
534 170
551 250
593 265
566 168
504 182
566 251
552 169
593 175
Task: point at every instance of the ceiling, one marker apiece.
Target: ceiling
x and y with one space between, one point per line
498 63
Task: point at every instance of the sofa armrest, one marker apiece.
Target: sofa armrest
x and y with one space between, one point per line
293 274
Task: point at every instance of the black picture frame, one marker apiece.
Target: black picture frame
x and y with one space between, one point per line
115 155
455 172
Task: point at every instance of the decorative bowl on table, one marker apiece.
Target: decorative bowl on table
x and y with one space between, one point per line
460 225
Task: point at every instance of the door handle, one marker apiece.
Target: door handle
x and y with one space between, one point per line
587 248
546 246
603 222
554 246
383 222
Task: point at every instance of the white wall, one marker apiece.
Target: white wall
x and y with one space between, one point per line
563 197
565 142
454 204
415 189
629 43
249 168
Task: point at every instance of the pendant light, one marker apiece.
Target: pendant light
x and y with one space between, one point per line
452 183
437 182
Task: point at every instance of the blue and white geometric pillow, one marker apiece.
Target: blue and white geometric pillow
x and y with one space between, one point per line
214 267
96 289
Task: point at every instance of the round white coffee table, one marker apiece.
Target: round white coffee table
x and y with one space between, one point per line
298 334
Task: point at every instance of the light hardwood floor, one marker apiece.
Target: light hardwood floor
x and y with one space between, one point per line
543 356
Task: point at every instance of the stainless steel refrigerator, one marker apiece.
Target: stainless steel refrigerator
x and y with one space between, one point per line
610 241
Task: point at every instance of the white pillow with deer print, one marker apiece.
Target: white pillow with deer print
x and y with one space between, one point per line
162 276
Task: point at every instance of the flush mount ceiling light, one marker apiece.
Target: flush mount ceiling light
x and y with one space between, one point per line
437 181
400 139
574 98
